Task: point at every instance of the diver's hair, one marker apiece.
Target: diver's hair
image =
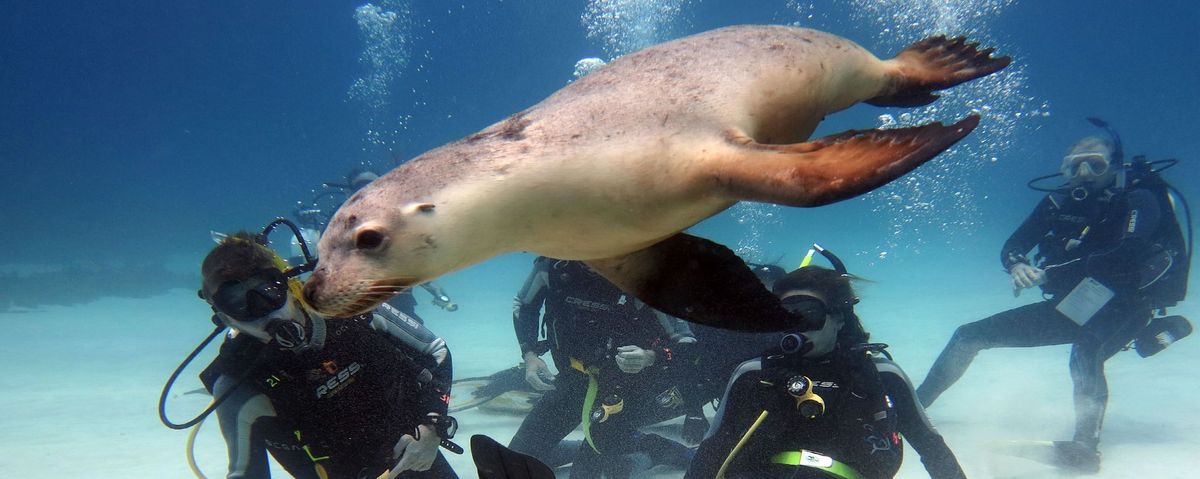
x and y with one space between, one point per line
1092 144
834 286
237 257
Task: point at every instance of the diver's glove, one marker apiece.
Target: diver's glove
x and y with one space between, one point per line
415 453
632 359
694 428
1025 276
536 370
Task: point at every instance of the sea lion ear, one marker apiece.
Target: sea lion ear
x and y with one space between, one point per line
413 208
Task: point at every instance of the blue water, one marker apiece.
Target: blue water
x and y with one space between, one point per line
129 130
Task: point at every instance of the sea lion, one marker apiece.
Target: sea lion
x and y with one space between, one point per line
611 168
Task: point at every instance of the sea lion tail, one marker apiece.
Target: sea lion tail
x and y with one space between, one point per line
936 63
833 168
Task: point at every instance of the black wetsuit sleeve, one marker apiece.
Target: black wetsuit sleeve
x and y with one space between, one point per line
426 349
1028 234
678 347
237 416
527 305
1141 220
914 425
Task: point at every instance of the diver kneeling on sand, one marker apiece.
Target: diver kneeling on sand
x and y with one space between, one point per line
359 397
823 403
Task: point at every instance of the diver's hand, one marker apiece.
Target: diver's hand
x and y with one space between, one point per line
443 301
535 370
415 454
1025 276
632 359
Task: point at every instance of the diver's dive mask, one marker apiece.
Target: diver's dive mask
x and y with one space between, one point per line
258 306
1092 164
821 336
252 298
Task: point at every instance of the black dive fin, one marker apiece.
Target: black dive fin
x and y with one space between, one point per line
498 462
700 281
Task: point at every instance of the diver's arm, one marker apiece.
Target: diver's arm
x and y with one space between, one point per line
914 425
680 339
527 305
1141 221
236 416
408 332
679 329
425 348
1028 234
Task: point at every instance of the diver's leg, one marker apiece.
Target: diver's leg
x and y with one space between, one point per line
1107 333
1037 324
554 416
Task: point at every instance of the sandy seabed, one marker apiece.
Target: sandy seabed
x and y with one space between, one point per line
80 390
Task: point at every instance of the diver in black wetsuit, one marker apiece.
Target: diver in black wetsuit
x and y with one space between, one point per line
347 398
615 359
822 403
1110 225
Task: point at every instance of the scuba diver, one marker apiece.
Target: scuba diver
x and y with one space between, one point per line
823 402
314 216
615 359
359 397
1110 254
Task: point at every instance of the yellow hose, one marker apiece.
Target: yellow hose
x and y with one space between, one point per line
742 442
191 450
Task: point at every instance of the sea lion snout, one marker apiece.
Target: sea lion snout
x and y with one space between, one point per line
312 287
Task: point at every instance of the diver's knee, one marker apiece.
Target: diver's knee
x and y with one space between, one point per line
968 339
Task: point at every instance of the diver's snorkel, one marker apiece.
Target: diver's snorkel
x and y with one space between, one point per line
310 263
1118 153
836 262
287 334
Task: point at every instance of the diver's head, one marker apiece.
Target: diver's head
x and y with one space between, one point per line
358 178
823 296
248 291
1089 164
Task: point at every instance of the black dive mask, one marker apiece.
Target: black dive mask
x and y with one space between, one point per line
254 297
809 307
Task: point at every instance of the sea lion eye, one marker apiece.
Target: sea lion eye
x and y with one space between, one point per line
368 239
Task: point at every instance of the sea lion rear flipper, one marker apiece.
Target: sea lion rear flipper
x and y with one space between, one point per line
936 63
495 461
835 167
700 281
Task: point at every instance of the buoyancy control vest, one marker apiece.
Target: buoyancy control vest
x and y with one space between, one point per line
354 397
584 312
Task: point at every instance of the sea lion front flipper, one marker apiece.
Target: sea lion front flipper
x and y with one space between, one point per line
835 167
494 461
700 281
932 64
